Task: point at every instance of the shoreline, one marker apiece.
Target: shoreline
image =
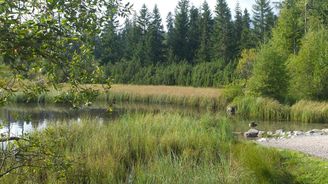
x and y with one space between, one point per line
314 145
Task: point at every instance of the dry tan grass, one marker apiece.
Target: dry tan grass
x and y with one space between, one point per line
150 90
146 90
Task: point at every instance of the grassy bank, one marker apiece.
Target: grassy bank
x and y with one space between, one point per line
310 111
268 109
159 148
259 108
184 96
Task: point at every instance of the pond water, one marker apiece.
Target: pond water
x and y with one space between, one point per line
21 119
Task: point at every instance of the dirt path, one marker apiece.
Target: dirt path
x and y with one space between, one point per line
313 145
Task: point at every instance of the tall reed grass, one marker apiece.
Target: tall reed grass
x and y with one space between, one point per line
268 109
193 101
140 148
261 108
183 96
310 112
155 148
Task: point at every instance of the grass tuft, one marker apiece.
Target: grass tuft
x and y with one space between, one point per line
261 108
310 112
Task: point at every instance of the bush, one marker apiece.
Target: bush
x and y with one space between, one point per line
233 90
269 75
309 69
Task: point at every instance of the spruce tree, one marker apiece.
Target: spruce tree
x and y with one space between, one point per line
238 29
247 36
169 54
144 19
108 47
263 19
169 27
143 49
206 28
180 31
131 39
193 33
223 41
155 37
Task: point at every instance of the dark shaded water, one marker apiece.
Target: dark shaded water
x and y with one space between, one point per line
20 119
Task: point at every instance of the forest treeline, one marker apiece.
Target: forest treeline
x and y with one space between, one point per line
198 47
283 56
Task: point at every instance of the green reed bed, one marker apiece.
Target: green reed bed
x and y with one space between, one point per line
159 148
150 148
140 148
310 112
194 101
115 97
261 108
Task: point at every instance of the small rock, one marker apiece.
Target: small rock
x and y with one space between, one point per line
298 133
314 132
269 133
280 132
251 133
261 133
263 140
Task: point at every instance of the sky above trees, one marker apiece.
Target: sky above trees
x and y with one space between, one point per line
165 6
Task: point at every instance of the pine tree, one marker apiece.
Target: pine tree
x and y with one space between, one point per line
223 41
193 33
180 31
263 19
204 52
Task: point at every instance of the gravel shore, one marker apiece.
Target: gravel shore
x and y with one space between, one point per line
313 145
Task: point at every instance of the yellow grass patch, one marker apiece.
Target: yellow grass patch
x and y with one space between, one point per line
146 90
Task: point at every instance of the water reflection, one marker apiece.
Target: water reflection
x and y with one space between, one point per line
21 119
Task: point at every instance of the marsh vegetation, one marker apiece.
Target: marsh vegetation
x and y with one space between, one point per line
160 148
64 56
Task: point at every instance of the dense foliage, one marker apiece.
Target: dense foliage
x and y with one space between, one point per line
278 56
182 74
52 41
292 65
197 48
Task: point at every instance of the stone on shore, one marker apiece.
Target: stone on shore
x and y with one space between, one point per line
251 133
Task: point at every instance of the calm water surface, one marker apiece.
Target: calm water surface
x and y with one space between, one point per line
21 119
